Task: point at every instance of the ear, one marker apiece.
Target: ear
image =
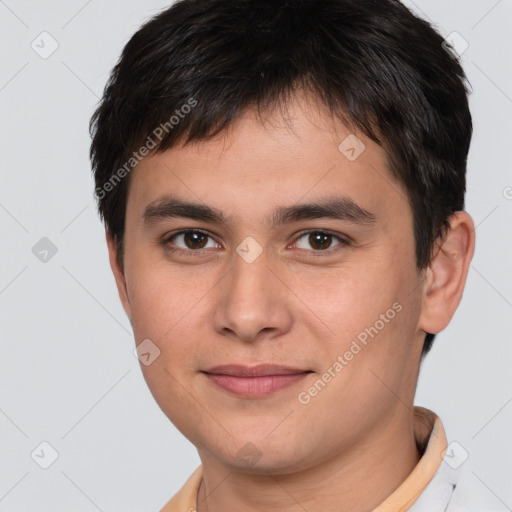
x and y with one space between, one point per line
447 273
118 274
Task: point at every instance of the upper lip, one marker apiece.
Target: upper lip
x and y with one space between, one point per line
259 370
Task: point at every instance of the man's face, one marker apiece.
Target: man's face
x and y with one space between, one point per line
305 290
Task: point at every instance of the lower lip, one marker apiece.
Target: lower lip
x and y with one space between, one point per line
255 387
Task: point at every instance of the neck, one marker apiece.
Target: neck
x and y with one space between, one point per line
357 480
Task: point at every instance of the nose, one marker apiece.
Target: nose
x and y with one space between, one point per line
253 301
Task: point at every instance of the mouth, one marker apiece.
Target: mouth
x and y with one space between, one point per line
254 381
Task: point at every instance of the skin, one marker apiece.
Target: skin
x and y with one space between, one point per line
353 444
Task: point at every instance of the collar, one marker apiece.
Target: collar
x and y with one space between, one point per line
430 482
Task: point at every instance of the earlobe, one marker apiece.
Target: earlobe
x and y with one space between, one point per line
119 275
446 275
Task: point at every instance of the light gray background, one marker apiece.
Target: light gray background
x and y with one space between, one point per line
68 375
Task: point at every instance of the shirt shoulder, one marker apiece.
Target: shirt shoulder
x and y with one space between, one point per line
465 497
185 499
451 490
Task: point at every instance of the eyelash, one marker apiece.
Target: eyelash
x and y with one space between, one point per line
198 252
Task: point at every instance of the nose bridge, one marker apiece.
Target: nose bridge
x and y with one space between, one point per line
253 299
250 275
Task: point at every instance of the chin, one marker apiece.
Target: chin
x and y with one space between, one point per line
264 456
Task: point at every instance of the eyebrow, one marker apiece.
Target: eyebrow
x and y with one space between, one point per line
339 208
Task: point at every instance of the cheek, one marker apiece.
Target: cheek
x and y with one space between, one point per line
173 394
349 301
162 297
372 316
170 310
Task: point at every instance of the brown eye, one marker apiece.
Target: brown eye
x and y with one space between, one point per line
319 241
195 239
191 240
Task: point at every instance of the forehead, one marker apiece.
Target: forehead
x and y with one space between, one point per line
299 156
